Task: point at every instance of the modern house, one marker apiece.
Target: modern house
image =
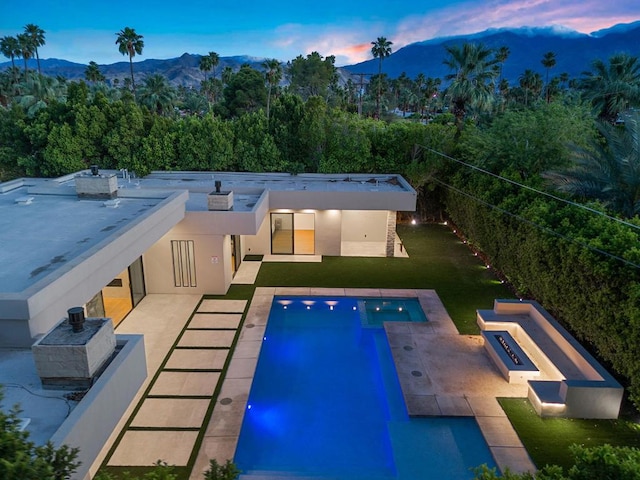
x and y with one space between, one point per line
105 240
102 240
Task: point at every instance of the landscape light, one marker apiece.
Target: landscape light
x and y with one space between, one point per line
413 221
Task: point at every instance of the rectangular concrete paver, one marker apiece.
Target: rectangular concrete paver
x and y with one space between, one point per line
242 367
215 320
222 306
185 383
422 405
498 432
252 333
220 448
171 413
319 291
516 459
144 448
248 349
486 407
207 338
197 358
452 406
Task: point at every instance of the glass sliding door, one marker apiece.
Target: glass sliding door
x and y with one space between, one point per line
304 233
282 233
292 233
236 253
136 281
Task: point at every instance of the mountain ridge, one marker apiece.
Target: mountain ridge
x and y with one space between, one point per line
574 51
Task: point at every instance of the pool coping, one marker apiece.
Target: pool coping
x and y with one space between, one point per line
222 432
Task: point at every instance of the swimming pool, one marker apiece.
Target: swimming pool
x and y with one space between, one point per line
325 402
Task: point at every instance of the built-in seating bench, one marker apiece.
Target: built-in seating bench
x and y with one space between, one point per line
564 379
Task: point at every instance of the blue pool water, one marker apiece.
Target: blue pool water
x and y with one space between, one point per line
326 403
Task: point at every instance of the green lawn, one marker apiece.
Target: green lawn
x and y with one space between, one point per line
548 439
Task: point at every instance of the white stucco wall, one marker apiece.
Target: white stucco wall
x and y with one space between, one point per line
213 256
327 224
364 226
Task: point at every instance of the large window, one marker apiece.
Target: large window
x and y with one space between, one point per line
293 233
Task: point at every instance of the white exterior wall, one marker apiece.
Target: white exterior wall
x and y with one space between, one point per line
328 231
213 257
364 226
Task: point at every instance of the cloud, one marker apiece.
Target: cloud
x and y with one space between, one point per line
471 17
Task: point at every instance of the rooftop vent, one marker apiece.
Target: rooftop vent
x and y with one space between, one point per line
220 200
94 185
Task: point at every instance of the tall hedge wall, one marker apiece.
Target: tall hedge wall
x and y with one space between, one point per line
564 257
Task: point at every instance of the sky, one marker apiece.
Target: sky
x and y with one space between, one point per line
82 31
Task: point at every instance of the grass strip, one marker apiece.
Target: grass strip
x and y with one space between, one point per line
548 439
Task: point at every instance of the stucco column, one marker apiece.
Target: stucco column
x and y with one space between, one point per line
391 233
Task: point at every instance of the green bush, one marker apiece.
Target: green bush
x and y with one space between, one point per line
21 459
594 463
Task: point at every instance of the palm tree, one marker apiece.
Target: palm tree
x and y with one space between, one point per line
37 91
130 43
548 62
614 87
381 49
215 61
10 48
227 73
530 81
501 56
157 94
610 173
36 34
273 75
205 65
92 73
26 49
471 83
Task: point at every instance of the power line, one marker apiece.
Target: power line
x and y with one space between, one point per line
534 224
527 187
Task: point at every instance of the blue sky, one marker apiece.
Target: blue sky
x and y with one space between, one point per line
82 31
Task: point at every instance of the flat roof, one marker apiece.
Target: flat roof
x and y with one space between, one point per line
42 232
248 187
44 225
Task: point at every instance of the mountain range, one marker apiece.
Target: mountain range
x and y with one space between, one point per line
574 52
